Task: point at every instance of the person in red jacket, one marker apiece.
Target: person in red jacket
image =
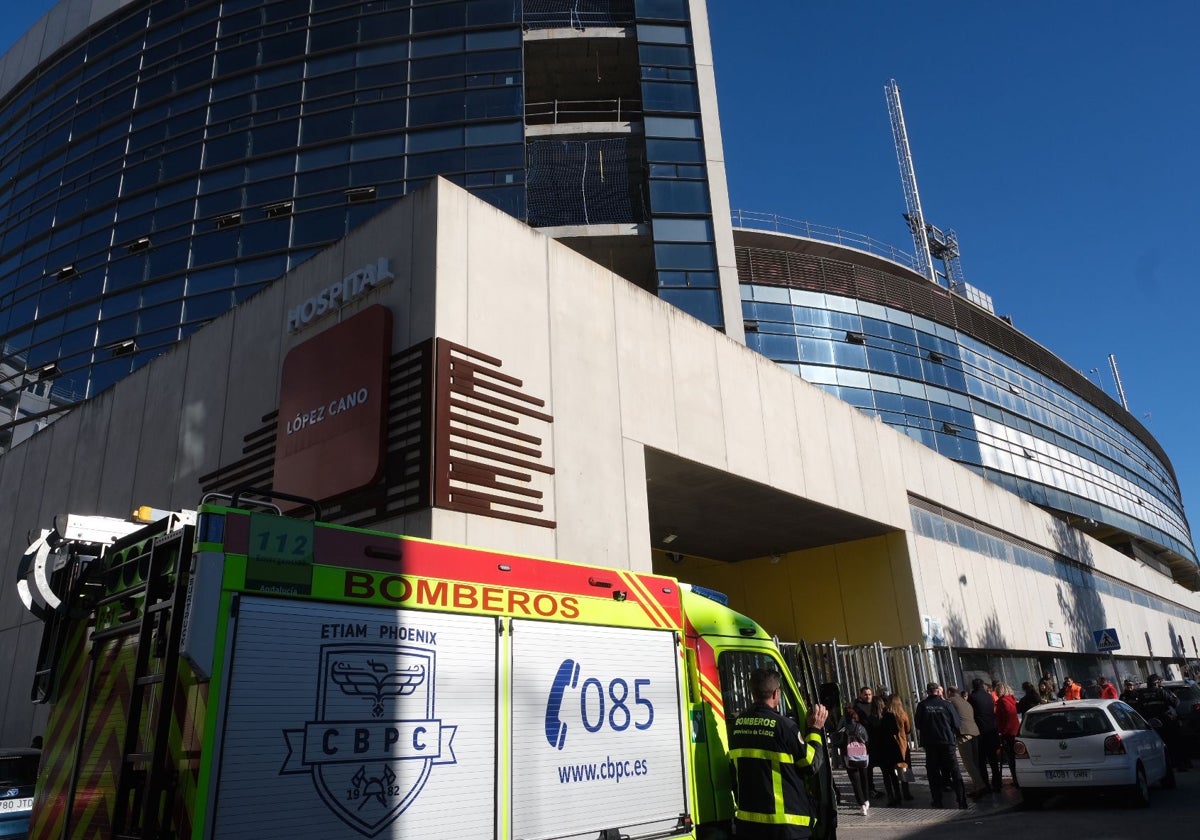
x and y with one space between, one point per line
1108 691
1071 690
1007 722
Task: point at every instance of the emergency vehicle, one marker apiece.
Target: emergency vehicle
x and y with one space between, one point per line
235 672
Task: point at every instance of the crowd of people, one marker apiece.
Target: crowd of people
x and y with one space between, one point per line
977 727
771 752
881 724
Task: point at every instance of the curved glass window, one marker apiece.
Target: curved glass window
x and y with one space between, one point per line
180 141
975 404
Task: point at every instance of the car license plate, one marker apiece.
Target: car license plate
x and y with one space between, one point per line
1069 775
25 804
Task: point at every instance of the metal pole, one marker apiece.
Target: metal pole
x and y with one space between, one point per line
1112 360
1116 676
908 180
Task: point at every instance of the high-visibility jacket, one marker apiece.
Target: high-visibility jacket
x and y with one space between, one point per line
768 752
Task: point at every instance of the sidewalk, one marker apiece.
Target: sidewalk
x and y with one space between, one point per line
920 810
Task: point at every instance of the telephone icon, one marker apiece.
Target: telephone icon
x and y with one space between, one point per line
567 677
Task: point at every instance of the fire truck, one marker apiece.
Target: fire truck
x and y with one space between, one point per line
235 672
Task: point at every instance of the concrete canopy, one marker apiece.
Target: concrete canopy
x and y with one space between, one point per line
726 517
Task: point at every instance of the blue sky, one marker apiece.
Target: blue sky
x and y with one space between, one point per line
1057 138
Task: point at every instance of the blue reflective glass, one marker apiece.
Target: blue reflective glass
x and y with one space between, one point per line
665 56
679 196
682 230
908 367
672 127
816 351
778 347
703 304
319 226
494 133
431 139
510 157
849 355
670 96
881 361
697 257
661 34
662 9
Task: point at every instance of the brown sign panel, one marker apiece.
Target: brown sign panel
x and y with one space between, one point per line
333 399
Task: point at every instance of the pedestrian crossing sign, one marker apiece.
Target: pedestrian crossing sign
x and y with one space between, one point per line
1106 639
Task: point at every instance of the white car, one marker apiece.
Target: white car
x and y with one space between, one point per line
1089 745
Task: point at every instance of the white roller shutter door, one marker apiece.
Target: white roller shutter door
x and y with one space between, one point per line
357 721
597 738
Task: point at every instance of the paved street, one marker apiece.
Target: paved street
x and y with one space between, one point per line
1171 814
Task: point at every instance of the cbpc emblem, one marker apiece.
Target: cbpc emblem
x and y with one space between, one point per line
376 737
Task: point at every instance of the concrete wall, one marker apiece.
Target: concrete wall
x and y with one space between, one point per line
620 371
718 186
623 370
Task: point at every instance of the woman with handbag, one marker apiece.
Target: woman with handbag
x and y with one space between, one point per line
854 747
891 750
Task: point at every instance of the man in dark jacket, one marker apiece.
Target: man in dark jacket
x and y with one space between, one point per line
984 705
768 752
1160 708
1029 699
862 704
938 723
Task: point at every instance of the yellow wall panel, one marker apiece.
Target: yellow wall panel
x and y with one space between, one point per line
855 592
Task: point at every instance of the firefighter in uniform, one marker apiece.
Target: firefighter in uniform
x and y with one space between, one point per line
768 751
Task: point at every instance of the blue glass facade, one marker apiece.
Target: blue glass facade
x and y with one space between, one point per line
1000 412
180 154
685 256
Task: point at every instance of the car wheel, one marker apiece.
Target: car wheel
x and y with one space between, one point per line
1032 800
1139 797
1168 781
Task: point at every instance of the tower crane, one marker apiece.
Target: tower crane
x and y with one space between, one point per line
931 242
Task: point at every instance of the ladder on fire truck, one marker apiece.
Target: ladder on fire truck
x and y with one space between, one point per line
145 584
133 579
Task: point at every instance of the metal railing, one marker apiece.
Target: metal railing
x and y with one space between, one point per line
796 227
904 670
558 111
576 14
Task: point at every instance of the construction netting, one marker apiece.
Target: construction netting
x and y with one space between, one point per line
584 182
576 14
